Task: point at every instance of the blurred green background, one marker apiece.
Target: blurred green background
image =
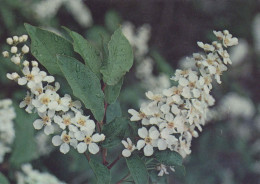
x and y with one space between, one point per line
163 33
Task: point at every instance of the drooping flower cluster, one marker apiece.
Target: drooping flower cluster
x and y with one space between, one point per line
54 110
171 119
30 175
7 133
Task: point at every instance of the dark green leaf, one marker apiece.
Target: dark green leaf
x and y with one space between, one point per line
84 83
180 171
137 169
157 179
112 92
120 58
24 149
112 20
111 142
116 127
169 158
102 173
3 179
98 34
88 52
113 111
46 45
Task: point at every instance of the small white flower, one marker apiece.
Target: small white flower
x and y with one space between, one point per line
9 41
47 100
129 147
5 54
27 102
15 38
16 60
14 49
83 122
89 141
45 121
64 140
148 140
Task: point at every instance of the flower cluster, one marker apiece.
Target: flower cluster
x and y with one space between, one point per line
29 175
171 119
7 133
54 110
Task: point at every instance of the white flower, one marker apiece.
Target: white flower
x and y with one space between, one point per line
9 41
64 140
89 141
64 121
31 77
16 60
47 100
5 54
46 121
206 46
148 140
27 102
130 147
14 49
162 170
83 122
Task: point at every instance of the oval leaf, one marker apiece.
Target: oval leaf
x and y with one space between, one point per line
102 173
137 169
120 58
169 158
88 52
84 83
113 111
112 92
46 45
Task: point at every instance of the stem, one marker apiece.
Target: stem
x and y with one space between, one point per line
104 154
114 162
87 156
125 177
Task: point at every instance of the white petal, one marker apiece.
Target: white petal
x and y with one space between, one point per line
98 137
38 124
124 143
148 150
64 148
154 133
56 140
140 144
90 124
82 147
162 145
48 130
126 153
93 148
22 81
142 132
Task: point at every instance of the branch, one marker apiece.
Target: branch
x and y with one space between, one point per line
114 162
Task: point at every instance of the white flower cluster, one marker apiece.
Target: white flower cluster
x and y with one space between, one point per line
7 133
30 176
55 110
172 118
45 9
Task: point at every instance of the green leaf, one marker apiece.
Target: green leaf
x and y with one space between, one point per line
84 83
46 45
88 52
102 173
112 92
24 149
3 179
116 127
137 169
110 142
112 20
120 58
153 175
113 111
169 158
98 34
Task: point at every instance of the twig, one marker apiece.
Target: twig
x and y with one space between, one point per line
114 162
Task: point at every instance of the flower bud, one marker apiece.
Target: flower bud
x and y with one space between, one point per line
25 49
9 41
21 39
25 38
16 60
26 63
15 38
14 49
5 54
34 63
